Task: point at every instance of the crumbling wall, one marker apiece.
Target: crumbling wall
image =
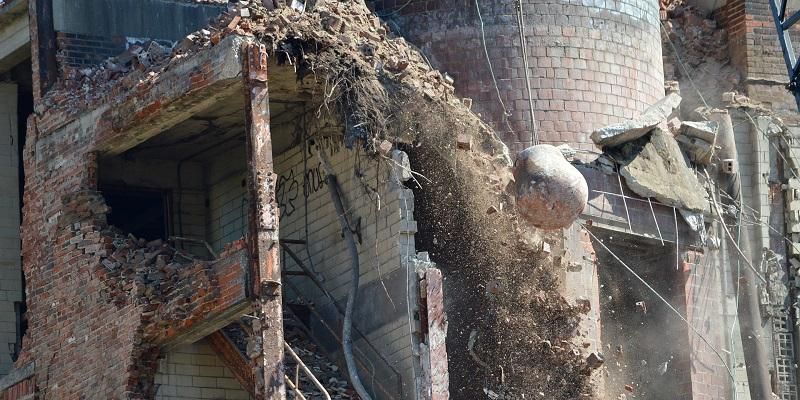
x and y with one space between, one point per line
94 329
194 371
144 287
755 48
382 213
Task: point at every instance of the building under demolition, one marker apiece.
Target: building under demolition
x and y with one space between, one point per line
267 199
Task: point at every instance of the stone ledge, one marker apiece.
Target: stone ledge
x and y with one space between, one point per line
17 375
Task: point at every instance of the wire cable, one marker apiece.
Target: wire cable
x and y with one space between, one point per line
524 45
665 301
506 113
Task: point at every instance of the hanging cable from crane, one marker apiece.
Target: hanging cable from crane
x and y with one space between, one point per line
534 139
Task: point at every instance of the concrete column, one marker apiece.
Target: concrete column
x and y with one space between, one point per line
10 265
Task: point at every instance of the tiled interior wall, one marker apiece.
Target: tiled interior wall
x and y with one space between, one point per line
382 212
193 371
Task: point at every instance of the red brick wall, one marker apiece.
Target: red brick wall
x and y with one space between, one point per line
96 318
23 390
704 297
755 50
590 64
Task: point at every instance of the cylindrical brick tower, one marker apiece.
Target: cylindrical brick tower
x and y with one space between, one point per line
591 62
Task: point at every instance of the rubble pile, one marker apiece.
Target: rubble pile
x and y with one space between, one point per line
696 54
142 268
326 372
169 284
342 43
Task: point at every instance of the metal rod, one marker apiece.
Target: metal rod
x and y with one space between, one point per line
292 241
305 369
786 24
655 220
625 203
778 15
677 248
193 240
293 387
632 198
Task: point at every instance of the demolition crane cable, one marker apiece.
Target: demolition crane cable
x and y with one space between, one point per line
667 303
506 113
524 45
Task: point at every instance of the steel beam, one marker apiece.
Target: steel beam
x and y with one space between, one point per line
263 229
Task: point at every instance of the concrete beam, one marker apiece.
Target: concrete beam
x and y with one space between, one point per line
15 38
192 85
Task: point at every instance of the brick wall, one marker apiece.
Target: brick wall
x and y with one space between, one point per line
591 63
755 50
90 31
193 371
23 390
387 229
705 311
106 344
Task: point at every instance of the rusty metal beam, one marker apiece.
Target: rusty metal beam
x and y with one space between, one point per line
234 360
263 232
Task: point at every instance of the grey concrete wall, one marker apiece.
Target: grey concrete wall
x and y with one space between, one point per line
154 19
10 267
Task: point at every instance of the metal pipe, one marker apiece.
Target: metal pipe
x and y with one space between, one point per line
310 305
294 387
338 338
750 328
347 325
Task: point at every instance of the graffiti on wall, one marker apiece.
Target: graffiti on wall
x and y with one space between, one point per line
311 179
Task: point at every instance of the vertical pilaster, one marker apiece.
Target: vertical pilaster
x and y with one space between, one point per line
263 232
